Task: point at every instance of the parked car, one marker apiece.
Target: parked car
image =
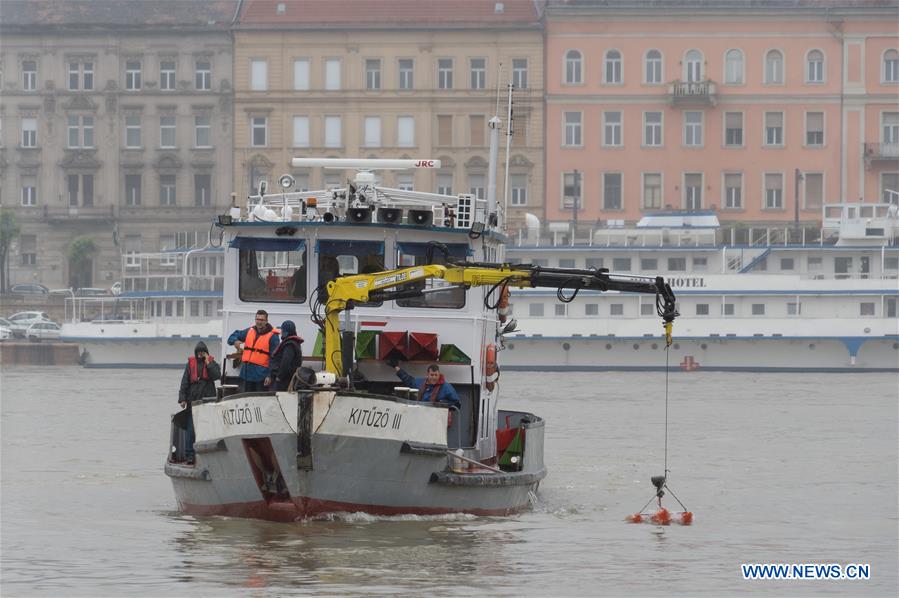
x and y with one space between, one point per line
91 292
41 331
68 292
5 329
22 320
29 289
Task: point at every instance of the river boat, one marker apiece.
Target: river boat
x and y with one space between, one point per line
368 273
750 298
168 302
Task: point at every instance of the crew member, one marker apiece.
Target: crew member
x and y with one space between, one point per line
257 344
287 358
433 387
197 382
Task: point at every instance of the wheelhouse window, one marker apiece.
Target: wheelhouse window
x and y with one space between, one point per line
272 270
345 258
416 254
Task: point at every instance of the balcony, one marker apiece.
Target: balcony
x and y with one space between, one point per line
881 154
693 93
79 214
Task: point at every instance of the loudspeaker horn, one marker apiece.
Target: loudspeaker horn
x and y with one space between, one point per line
421 217
390 215
358 214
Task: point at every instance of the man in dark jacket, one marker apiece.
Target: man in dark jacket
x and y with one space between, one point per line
287 358
197 382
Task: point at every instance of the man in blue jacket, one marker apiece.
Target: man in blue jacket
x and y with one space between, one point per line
433 387
257 344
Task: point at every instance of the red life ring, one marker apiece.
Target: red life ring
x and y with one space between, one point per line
490 367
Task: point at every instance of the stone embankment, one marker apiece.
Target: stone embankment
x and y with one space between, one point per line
40 353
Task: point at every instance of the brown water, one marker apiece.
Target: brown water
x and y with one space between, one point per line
776 467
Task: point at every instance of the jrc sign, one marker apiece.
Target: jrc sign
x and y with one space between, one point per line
427 164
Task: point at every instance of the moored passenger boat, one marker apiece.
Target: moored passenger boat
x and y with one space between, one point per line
370 274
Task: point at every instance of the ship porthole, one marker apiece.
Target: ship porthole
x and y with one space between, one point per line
703 346
811 346
636 346
677 346
511 346
565 346
896 345
608 346
655 346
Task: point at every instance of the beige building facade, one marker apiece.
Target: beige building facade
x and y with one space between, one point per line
116 126
389 86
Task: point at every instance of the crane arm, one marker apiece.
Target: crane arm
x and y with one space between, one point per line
345 291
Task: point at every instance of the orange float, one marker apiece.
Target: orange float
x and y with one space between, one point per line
490 367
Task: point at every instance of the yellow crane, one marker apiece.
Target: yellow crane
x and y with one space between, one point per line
344 292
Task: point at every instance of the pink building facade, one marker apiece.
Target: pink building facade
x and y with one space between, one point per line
762 115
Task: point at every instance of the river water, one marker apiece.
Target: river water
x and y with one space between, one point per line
784 468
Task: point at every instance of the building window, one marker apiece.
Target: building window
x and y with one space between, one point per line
203 131
649 264
814 67
814 129
301 75
733 129
891 66
774 191
28 250
332 74
167 134
612 67
571 190
591 309
611 191
616 309
560 309
727 309
693 191
445 184
81 76
476 130
520 73
535 310
787 263
814 190
167 76
653 67
81 131
733 67
29 132
652 129
518 187
693 128
445 73
83 194
203 75
300 131
132 75
647 309
621 264
733 191
29 192
202 190
693 66
29 75
372 74
700 264
889 187
594 262
573 69
167 190
132 132
407 73
572 129
258 131
444 130
132 189
774 67
866 309
702 309
758 309
258 75
405 131
611 129
478 73
405 182
477 185
333 131
774 131
652 190
372 131
890 129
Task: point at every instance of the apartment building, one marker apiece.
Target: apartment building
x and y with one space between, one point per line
761 112
400 79
116 127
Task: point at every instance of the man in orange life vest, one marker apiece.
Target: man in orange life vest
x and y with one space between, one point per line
197 382
257 343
